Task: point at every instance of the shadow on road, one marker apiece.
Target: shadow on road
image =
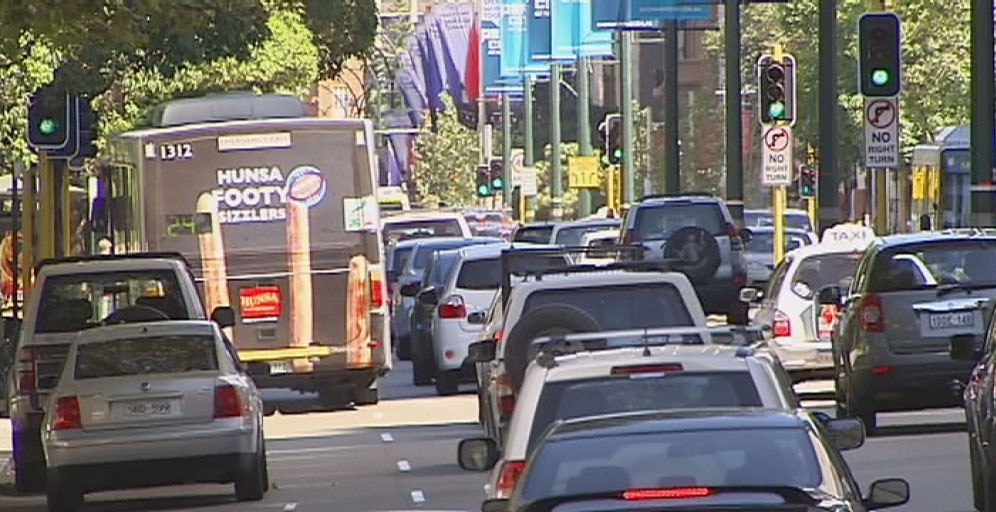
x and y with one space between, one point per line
918 430
161 503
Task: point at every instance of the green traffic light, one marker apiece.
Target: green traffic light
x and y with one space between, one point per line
496 183
880 77
48 126
617 154
483 190
776 110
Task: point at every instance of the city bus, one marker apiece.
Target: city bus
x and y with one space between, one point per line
941 181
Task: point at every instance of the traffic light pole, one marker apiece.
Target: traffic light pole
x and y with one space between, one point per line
626 56
29 219
525 208
672 155
556 172
734 141
584 127
828 104
983 112
506 149
48 203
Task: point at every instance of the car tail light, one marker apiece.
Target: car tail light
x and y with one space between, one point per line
506 397
872 319
781 325
646 368
735 241
228 402
67 414
674 493
454 307
509 475
378 290
740 279
25 376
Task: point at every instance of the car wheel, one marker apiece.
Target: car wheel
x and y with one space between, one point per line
29 463
857 408
61 497
404 348
978 478
250 483
543 321
694 252
448 383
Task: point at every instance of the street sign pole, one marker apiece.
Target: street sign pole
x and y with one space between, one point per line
584 127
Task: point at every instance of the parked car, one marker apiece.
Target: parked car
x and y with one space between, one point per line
759 253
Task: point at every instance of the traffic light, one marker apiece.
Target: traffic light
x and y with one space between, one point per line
496 174
879 54
49 119
776 88
807 182
87 129
483 182
612 137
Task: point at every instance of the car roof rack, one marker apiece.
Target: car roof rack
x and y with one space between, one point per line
677 195
113 257
511 255
546 349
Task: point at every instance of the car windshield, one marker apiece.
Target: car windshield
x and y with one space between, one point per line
82 301
619 307
572 236
765 242
485 274
142 356
658 222
399 257
816 272
421 255
533 234
793 220
712 458
428 228
562 400
915 267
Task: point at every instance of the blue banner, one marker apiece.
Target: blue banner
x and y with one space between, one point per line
454 22
515 58
646 14
573 34
538 26
435 76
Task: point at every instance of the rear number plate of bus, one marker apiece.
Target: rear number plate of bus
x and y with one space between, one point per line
149 409
280 367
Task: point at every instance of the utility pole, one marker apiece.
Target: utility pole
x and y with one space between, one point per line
827 189
672 151
506 148
734 140
626 56
983 112
584 127
556 172
526 211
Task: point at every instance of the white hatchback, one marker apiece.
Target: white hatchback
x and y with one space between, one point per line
159 403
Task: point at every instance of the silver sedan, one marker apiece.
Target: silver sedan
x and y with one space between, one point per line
151 404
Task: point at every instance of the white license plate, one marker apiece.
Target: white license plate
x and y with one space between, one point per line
150 409
280 367
823 358
941 321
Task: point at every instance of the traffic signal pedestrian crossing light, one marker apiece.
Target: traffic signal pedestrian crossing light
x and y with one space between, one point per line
776 88
496 174
482 184
807 182
879 54
49 119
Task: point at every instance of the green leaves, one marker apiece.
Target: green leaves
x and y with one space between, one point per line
446 160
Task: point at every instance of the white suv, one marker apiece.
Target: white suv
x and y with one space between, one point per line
599 300
607 373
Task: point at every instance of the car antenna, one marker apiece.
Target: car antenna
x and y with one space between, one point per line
646 343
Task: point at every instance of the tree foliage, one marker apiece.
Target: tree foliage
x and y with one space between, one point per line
446 160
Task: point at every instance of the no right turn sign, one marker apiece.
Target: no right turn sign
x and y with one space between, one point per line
777 155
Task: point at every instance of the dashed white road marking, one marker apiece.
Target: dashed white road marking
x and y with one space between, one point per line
404 466
290 507
387 438
418 497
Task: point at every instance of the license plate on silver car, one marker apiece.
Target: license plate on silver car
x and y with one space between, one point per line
150 409
953 320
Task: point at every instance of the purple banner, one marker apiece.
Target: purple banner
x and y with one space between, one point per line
433 72
454 22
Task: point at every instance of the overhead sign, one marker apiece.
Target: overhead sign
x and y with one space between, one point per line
646 14
776 169
583 171
848 234
573 34
882 132
515 56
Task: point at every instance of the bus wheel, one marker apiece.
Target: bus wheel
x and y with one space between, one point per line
366 396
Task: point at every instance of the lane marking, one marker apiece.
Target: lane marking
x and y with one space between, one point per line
316 450
387 438
404 466
418 497
290 507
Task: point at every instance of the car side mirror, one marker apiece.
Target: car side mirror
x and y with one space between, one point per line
962 348
224 316
410 289
477 318
477 454
750 295
482 351
888 492
427 297
846 433
830 295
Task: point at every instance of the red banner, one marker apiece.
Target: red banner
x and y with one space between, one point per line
260 302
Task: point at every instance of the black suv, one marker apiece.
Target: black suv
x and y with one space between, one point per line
700 229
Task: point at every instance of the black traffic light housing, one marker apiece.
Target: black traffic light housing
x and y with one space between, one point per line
776 89
611 132
807 182
50 119
87 129
482 184
496 174
879 54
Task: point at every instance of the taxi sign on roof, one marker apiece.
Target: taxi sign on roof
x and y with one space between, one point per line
852 235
